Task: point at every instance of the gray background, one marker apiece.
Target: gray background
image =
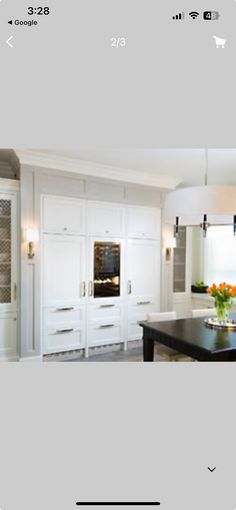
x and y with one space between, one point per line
117 431
62 85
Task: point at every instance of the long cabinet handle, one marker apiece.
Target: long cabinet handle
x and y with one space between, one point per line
129 287
91 288
15 292
104 326
143 302
64 331
65 309
83 289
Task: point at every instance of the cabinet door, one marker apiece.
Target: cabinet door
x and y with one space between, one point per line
8 252
143 222
63 270
8 336
143 273
106 269
105 219
62 215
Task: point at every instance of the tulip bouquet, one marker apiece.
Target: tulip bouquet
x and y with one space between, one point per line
223 295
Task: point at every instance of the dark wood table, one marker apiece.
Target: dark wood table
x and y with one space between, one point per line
190 337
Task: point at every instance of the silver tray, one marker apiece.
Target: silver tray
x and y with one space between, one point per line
228 324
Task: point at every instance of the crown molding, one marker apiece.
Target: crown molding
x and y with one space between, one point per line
9 184
88 168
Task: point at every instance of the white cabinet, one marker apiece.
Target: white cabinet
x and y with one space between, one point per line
63 270
143 222
105 333
8 336
105 323
97 286
143 283
106 219
63 339
64 292
62 215
8 273
143 270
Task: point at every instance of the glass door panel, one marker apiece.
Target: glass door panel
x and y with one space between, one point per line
106 276
180 261
5 251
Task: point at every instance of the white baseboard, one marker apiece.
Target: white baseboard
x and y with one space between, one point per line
32 359
10 358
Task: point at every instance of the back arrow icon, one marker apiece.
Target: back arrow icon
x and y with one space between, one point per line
8 41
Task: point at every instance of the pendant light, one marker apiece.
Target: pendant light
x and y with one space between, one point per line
201 205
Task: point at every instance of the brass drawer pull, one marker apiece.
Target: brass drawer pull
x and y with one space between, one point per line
65 309
144 303
105 326
64 331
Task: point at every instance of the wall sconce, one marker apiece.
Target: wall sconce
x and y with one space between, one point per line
32 237
169 244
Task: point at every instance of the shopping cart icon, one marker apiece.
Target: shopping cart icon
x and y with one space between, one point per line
220 43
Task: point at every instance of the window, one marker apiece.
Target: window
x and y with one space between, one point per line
220 255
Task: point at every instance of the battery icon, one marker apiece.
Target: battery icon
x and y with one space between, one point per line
211 15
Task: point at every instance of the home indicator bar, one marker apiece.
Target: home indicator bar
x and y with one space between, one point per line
118 503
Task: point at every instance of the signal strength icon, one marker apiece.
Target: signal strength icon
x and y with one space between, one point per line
194 14
179 16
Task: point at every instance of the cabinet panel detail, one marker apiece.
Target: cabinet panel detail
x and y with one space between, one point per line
63 270
105 219
65 216
143 222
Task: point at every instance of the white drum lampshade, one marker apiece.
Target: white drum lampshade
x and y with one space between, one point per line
189 205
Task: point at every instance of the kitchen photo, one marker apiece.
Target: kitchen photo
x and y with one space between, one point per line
118 255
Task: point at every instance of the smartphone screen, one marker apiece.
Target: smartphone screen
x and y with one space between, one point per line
117 254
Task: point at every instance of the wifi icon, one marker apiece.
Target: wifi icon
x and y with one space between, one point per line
194 14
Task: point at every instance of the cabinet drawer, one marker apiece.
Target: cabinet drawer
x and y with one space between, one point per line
62 315
103 311
105 332
135 332
63 338
143 307
136 314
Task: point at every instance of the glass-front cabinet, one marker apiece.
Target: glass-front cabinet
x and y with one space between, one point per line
179 279
8 252
182 273
8 273
105 271
5 251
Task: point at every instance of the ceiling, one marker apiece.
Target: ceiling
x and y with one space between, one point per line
184 166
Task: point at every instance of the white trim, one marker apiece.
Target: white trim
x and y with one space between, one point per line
31 358
6 359
55 162
7 185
